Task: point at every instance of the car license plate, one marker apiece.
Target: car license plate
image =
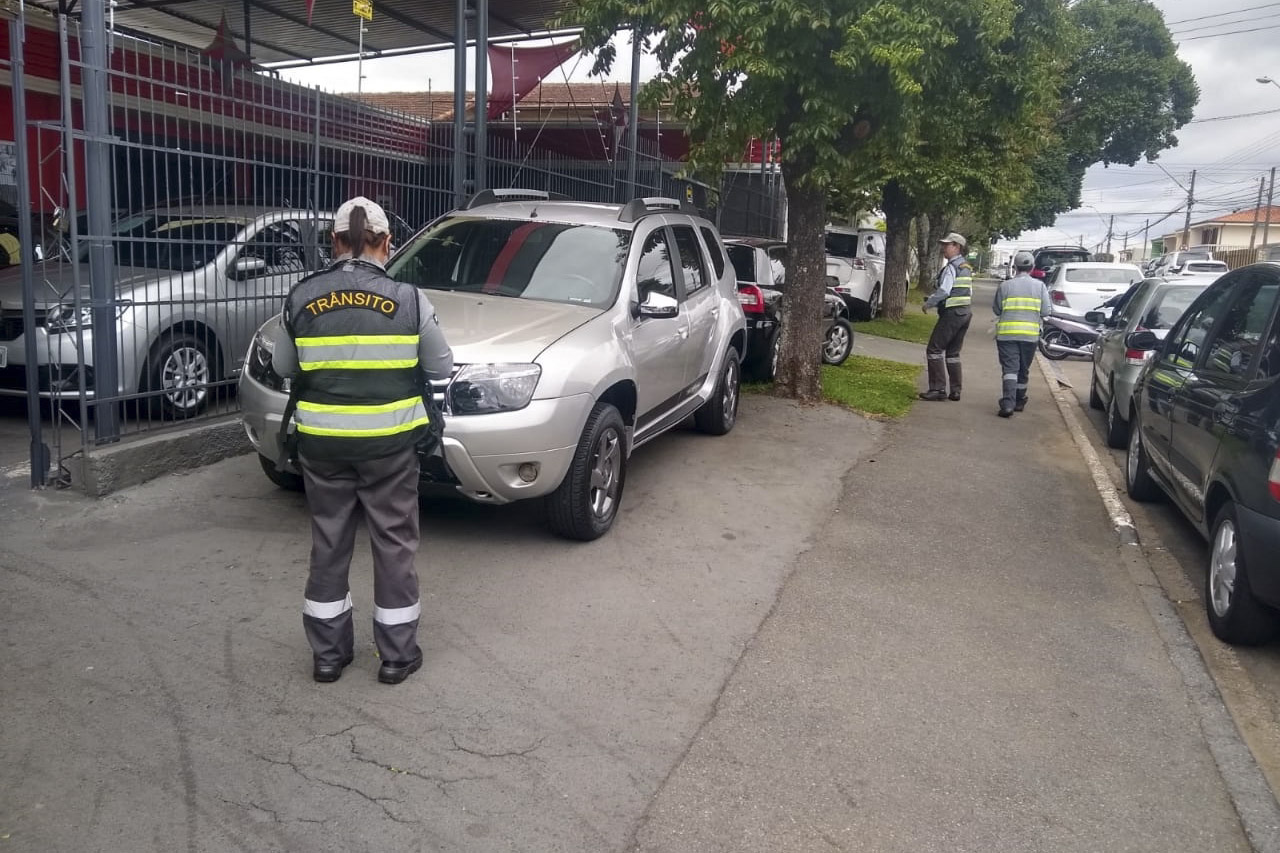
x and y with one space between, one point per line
4 356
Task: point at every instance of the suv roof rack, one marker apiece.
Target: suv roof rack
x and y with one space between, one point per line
641 207
495 196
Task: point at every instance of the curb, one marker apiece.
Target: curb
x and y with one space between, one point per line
1250 794
109 469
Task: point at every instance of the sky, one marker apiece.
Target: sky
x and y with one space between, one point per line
1227 46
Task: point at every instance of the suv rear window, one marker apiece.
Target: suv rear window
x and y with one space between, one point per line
1207 266
1099 275
743 259
547 261
1053 257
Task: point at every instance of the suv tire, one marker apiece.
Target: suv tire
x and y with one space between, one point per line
718 415
1095 399
1235 615
585 503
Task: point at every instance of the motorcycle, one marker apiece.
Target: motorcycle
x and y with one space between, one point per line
1062 336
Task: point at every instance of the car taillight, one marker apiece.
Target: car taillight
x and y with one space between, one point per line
1136 357
751 298
1273 479
858 264
1058 297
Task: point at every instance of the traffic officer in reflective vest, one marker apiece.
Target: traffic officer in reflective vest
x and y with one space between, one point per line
952 298
363 347
1020 304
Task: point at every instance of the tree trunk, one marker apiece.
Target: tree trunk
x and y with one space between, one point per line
931 258
897 221
799 363
922 234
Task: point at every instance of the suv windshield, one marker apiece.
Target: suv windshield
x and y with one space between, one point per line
168 242
546 261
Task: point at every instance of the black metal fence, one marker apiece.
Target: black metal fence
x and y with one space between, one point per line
173 217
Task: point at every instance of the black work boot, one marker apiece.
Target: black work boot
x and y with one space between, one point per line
1019 404
937 381
953 372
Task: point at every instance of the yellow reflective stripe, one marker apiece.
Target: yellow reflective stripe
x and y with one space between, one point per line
349 340
376 409
389 364
364 433
361 420
1017 324
1021 302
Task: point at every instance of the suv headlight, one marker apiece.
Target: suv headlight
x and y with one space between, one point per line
259 364
482 388
64 318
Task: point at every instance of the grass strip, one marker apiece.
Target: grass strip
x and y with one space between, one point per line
871 386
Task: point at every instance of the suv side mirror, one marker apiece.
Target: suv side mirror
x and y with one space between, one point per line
656 304
1145 340
1096 317
247 267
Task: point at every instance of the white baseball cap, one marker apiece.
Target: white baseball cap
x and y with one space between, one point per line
375 217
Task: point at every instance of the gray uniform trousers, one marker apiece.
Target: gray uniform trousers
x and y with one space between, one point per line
385 491
946 341
1015 368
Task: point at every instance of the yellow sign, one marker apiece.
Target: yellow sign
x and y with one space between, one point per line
362 8
688 193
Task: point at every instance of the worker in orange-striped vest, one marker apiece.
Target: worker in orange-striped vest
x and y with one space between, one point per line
364 348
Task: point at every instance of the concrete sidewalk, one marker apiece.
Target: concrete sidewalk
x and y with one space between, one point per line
961 663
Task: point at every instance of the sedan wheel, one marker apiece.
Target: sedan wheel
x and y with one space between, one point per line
838 343
180 371
1235 615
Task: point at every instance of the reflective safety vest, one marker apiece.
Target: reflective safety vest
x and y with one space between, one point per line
962 290
1023 301
360 390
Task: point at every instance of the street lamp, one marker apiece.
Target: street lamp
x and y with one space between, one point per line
1265 80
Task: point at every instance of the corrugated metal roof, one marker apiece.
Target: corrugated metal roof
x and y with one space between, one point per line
280 32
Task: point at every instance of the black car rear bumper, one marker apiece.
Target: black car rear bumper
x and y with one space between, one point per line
1260 537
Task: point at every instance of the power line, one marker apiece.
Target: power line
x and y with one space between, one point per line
1220 14
1237 115
1200 27
1232 33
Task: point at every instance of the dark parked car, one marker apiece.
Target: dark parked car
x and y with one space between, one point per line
1207 432
760 266
1048 257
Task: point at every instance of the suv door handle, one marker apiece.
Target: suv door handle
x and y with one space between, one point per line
684 333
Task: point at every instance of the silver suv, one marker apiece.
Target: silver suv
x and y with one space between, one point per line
579 331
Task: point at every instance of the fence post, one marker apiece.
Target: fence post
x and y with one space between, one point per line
482 95
459 102
39 454
102 292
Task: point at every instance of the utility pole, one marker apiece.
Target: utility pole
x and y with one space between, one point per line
1186 223
1146 238
1111 227
1253 234
1271 191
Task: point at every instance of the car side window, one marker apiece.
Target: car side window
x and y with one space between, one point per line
1269 363
655 272
280 246
691 260
1235 347
1187 341
778 265
713 249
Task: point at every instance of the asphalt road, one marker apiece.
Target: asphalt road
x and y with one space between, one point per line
817 633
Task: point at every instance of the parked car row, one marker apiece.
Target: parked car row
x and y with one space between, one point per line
760 267
1204 429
